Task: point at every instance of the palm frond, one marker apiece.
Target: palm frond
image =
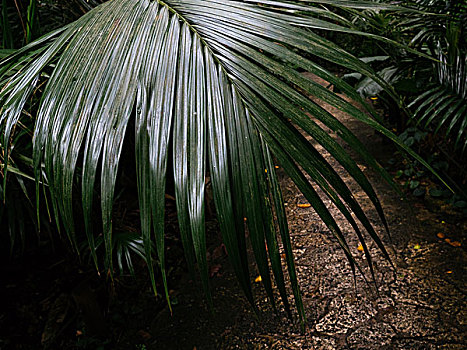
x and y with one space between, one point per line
126 245
206 79
444 103
17 213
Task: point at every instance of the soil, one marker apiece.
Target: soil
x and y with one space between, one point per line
419 304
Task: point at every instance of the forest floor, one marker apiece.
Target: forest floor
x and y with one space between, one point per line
421 304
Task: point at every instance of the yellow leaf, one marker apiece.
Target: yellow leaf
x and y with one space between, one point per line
449 271
258 279
265 170
360 248
276 166
373 98
304 205
416 246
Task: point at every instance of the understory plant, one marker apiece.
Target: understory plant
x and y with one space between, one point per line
434 90
442 106
210 87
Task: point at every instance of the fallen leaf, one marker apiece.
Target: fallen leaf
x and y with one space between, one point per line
447 240
360 248
276 166
455 243
168 196
283 256
449 271
78 333
416 246
304 205
440 235
258 279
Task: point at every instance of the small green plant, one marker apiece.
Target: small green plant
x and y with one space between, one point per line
414 177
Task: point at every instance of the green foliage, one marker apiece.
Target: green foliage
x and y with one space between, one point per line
415 179
19 16
203 83
434 90
22 21
17 194
444 102
412 173
7 37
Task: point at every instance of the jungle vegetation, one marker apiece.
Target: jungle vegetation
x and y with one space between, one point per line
211 89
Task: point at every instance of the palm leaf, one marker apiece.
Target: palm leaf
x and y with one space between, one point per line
444 104
207 79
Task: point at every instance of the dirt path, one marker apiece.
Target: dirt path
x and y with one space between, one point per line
421 305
